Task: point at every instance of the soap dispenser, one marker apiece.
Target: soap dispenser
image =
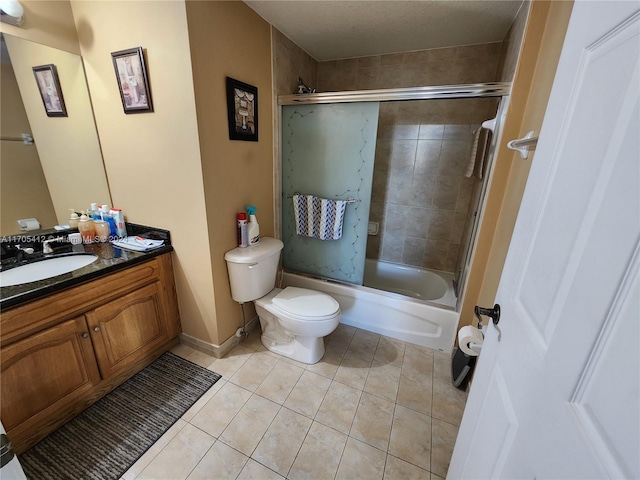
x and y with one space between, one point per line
85 227
73 218
253 229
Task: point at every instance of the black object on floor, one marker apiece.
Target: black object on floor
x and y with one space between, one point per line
461 368
107 438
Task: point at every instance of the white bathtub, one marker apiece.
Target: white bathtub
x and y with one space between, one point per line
431 323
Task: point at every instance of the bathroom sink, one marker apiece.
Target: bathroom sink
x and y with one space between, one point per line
47 268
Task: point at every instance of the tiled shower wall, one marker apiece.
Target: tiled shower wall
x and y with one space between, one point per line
420 194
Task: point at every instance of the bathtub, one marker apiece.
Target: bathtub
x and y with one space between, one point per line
418 319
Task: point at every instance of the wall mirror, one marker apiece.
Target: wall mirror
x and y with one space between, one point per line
63 168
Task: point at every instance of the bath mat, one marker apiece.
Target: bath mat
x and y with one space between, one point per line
106 439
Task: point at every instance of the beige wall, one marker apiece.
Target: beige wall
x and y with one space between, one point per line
289 63
153 159
49 22
543 38
23 191
230 39
68 146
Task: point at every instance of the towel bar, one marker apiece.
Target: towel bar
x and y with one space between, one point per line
524 144
348 200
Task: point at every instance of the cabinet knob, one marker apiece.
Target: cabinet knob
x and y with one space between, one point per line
85 335
96 329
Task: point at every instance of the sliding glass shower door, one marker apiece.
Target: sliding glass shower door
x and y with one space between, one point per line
328 151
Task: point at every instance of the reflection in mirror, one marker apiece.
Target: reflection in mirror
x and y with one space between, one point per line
63 169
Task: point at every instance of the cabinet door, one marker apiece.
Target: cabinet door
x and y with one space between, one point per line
127 329
45 372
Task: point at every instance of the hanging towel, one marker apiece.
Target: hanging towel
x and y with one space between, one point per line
318 217
478 155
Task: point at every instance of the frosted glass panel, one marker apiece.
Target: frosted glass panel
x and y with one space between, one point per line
328 151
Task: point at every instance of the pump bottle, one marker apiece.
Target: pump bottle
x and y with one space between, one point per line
253 229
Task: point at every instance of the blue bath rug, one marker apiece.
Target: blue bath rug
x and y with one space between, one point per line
106 439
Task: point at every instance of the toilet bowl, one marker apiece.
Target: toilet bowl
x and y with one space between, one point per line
295 320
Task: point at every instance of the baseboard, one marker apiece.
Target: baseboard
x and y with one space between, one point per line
217 351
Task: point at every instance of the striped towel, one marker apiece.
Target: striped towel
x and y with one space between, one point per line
479 150
318 217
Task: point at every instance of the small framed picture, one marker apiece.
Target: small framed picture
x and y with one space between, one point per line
242 106
132 80
50 91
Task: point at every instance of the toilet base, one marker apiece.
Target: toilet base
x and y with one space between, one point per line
303 349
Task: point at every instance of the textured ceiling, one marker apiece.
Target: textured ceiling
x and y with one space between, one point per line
330 30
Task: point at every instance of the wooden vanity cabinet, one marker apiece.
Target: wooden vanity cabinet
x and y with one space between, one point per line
61 353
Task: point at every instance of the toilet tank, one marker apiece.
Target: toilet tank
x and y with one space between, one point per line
252 270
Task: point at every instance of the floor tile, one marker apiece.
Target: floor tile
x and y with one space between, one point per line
443 439
320 454
417 360
442 366
247 428
254 471
390 351
373 421
397 469
180 456
201 358
203 400
153 451
411 437
279 382
328 365
360 460
383 380
353 370
253 341
282 440
253 372
448 402
220 462
230 364
218 412
416 392
341 336
364 343
338 409
307 395
182 350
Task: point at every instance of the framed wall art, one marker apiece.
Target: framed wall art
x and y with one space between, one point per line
132 80
242 106
50 90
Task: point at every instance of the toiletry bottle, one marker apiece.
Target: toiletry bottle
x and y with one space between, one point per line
104 214
102 230
93 213
85 227
253 228
73 218
243 234
118 218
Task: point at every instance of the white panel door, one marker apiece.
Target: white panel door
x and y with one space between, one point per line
556 392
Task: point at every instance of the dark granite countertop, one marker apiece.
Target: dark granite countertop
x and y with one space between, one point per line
110 259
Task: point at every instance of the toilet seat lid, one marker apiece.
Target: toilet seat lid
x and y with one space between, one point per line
305 303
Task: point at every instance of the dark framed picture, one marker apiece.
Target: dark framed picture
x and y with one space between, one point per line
132 80
50 91
242 106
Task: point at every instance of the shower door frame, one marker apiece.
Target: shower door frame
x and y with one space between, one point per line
500 90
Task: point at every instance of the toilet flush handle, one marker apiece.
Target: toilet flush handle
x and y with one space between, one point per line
252 265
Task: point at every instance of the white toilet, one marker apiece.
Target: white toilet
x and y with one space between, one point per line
294 320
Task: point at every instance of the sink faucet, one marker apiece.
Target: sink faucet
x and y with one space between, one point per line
46 248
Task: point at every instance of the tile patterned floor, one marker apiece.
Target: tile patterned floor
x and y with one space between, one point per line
372 408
